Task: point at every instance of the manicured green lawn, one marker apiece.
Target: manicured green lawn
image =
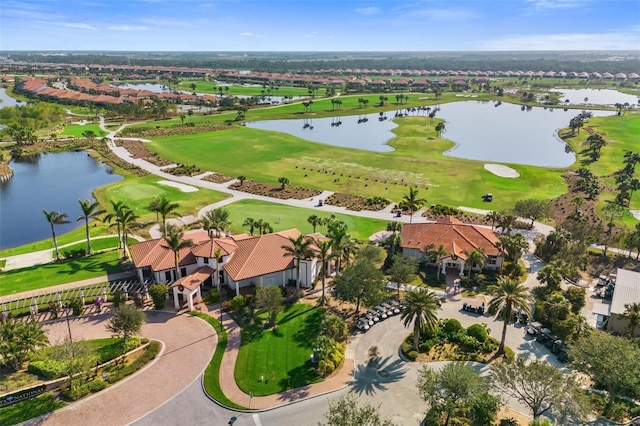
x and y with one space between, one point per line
212 373
98 244
417 160
139 192
282 217
76 130
70 237
50 274
234 90
20 412
283 351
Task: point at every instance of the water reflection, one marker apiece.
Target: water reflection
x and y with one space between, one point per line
482 130
595 97
47 181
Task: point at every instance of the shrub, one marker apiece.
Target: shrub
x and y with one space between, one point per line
150 353
76 306
50 368
489 346
96 385
469 341
118 298
484 408
406 344
426 346
479 332
508 422
55 308
412 355
74 394
238 303
157 293
451 326
509 355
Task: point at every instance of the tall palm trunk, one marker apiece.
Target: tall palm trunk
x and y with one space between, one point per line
324 277
86 231
55 242
297 275
504 336
416 335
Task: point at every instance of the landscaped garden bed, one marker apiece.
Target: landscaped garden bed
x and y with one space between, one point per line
275 190
139 150
357 202
184 170
217 178
109 366
449 341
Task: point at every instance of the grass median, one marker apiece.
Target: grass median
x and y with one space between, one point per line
212 372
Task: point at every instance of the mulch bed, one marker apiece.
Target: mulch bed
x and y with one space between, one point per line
354 202
275 190
139 150
183 170
217 178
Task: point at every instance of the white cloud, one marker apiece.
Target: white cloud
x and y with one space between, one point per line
557 4
247 34
573 41
311 35
454 14
79 26
368 10
161 22
127 28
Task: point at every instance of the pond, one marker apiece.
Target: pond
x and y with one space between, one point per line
161 88
51 182
595 97
482 130
6 100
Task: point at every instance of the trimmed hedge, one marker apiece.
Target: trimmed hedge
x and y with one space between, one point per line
49 369
149 354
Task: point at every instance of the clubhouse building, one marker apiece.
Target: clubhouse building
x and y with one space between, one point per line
457 240
238 261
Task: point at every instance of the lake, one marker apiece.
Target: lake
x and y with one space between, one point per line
595 97
6 100
482 130
51 182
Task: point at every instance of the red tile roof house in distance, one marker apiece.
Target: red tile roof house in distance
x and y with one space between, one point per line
239 260
457 238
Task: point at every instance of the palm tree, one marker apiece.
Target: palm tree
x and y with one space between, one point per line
324 254
632 311
300 248
420 308
494 217
55 218
117 206
436 254
251 223
127 219
176 243
412 202
509 296
216 219
475 257
506 222
153 207
394 227
339 239
315 221
166 208
89 211
242 178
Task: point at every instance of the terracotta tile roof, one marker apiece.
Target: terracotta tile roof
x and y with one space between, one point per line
261 255
210 247
157 254
456 237
194 279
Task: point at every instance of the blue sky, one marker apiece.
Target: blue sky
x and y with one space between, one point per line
319 25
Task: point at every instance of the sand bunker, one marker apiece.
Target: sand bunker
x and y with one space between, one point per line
635 213
502 171
181 186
